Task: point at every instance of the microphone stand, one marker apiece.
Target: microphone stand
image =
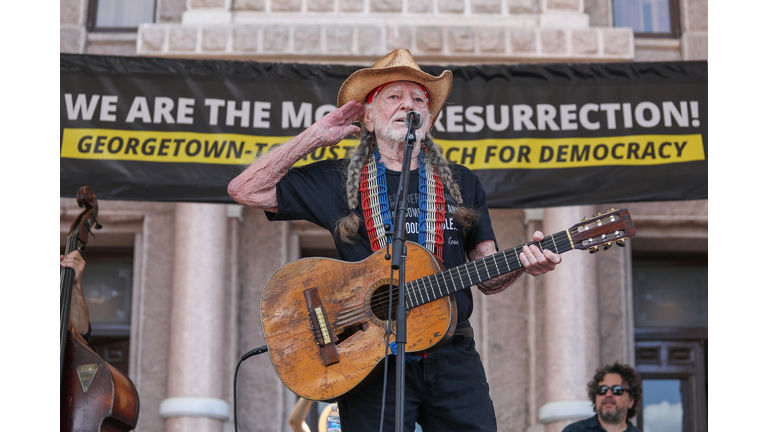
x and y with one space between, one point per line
399 254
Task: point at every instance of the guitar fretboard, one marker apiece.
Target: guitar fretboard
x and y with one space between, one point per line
447 282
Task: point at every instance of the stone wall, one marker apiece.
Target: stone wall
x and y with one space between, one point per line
355 31
442 31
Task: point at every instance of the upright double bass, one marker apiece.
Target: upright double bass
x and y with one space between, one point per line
94 395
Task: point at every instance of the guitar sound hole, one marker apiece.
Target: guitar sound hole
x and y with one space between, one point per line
380 302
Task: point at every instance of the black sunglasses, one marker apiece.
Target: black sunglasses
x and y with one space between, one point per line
617 390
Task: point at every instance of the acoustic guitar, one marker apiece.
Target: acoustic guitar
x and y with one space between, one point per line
324 320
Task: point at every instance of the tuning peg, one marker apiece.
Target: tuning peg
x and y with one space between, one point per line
620 242
585 219
597 214
607 245
88 228
593 249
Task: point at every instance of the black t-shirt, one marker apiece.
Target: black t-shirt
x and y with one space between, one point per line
316 193
593 424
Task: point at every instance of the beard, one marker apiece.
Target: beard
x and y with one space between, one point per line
614 416
394 132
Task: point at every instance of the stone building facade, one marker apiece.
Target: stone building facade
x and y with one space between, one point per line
198 269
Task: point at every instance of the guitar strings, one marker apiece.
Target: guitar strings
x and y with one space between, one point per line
415 295
464 271
490 265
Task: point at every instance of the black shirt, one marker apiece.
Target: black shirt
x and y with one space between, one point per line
593 424
316 193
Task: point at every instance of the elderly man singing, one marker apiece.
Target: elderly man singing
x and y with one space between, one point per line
354 198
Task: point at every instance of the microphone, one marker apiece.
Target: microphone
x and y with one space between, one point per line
415 119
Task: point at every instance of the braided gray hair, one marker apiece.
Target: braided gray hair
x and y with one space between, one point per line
349 225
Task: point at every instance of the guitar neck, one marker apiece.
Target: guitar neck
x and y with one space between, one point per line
447 282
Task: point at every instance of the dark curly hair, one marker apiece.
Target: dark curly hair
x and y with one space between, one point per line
628 376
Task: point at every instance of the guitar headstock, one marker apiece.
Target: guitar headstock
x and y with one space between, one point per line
602 230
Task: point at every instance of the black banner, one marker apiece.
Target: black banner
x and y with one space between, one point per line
141 128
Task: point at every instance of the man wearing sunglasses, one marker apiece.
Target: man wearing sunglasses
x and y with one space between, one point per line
616 394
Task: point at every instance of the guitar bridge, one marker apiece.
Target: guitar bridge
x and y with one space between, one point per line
321 328
317 315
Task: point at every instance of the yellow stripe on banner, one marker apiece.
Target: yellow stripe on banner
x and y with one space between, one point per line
521 153
181 147
535 153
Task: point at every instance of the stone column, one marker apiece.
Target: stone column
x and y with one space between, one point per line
571 327
196 357
262 398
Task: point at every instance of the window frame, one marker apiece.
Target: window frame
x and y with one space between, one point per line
674 22
93 10
693 374
654 346
106 254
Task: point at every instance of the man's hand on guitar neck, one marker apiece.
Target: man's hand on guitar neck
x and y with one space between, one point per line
535 262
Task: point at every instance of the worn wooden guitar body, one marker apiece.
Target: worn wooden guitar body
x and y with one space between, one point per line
324 320
355 301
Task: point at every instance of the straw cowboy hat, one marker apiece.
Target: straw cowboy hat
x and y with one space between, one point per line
398 65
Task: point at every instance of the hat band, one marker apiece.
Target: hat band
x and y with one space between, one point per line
376 91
